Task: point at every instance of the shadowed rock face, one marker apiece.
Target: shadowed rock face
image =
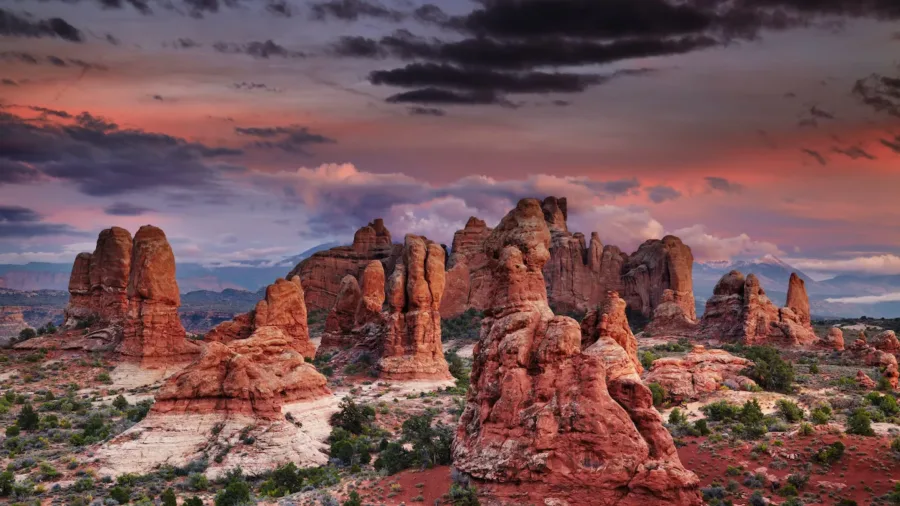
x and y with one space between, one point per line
355 307
574 422
670 319
283 307
152 327
657 266
466 285
99 280
739 310
323 272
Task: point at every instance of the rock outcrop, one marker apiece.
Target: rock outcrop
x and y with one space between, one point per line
323 272
670 319
834 340
659 265
572 424
152 328
357 304
12 322
465 279
701 371
99 280
739 310
253 376
864 380
283 307
609 321
798 300
886 341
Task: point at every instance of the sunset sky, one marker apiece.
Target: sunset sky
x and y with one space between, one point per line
253 129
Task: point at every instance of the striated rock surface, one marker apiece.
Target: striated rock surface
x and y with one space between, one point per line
323 272
152 328
834 339
99 281
659 265
609 321
372 293
699 372
670 319
740 310
465 279
283 307
574 424
253 376
357 304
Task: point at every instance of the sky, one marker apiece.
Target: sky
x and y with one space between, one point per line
251 130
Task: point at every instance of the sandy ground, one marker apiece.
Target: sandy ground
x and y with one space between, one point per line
463 348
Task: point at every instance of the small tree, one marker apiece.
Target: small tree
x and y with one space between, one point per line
120 403
26 334
353 499
676 417
28 419
168 498
860 423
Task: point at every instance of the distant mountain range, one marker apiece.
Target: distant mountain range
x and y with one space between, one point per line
773 274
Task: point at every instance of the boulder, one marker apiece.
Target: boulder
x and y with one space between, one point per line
834 340
701 371
886 341
864 380
152 328
545 414
283 307
670 319
740 311
323 272
253 376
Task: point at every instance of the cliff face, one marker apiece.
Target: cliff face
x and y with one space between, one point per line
657 266
99 280
322 273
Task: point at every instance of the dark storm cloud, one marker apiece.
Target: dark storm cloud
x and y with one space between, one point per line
13 25
183 43
100 158
139 5
257 49
853 152
50 112
293 138
9 82
819 113
23 57
429 74
447 97
815 155
279 8
18 221
352 10
893 145
125 209
358 47
251 86
426 111
881 93
615 187
662 193
13 172
723 185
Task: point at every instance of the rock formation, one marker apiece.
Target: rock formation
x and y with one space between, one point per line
355 306
283 307
670 319
657 266
798 300
834 340
152 328
609 321
574 424
323 272
864 380
701 371
739 310
99 281
466 281
12 322
253 376
886 341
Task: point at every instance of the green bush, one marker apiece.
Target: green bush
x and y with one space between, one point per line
26 334
393 459
676 417
122 495
168 498
658 392
352 417
647 359
198 482
120 403
7 480
821 414
193 501
28 419
431 444
464 326
721 411
860 423
830 454
701 427
13 430
461 495
813 368
236 491
769 371
886 403
353 499
789 410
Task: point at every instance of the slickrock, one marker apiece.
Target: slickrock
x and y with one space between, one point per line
670 319
740 310
465 289
610 321
657 266
99 280
283 307
886 341
699 372
864 380
152 328
834 339
323 272
254 376
571 424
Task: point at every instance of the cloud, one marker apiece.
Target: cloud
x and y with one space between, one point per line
879 92
815 155
16 221
251 86
356 46
292 138
426 111
893 145
662 193
447 97
23 57
819 113
710 248
886 264
9 82
183 43
430 74
125 209
258 49
279 8
13 25
352 10
50 112
853 152
100 158
867 299
723 185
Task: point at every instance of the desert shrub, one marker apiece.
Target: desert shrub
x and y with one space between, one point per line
895 444
198 482
647 358
120 494
676 417
830 454
757 499
860 423
886 403
120 403
352 417
813 368
137 412
806 429
431 443
353 499
463 495
7 480
168 498
28 419
701 427
83 484
13 430
236 491
193 501
789 410
658 393
26 334
787 490
393 459
798 480
721 411
769 371
821 414
464 326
